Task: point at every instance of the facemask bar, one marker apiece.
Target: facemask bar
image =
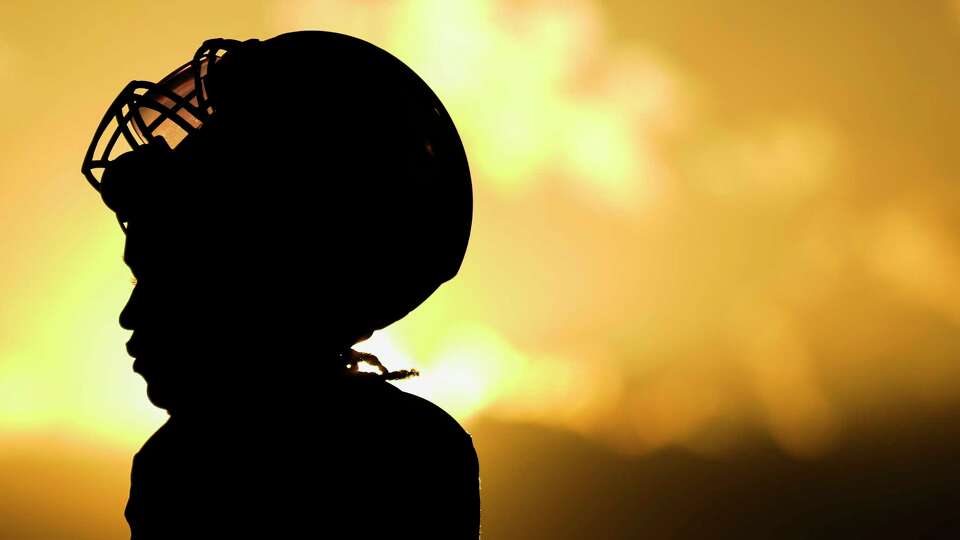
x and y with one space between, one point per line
145 111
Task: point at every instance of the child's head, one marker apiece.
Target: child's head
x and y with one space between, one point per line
318 191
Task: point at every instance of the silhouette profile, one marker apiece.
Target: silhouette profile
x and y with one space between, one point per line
282 200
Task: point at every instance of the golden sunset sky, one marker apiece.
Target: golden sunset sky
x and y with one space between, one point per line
695 223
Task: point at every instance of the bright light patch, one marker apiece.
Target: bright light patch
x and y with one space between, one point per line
472 370
913 255
527 64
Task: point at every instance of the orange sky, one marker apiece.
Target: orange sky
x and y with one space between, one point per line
689 215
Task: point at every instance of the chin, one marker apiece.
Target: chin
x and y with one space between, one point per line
158 398
160 395
160 391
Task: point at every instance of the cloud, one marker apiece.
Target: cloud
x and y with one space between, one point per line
649 260
537 91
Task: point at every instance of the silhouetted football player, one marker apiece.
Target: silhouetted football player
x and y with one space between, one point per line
282 200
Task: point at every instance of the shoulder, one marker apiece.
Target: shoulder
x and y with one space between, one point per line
415 423
419 413
422 408
434 465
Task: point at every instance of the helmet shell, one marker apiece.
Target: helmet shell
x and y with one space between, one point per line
344 157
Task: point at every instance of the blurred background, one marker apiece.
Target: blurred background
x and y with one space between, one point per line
713 287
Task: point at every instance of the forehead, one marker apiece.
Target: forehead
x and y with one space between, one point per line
139 251
158 249
131 252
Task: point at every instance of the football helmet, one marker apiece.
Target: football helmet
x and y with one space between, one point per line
307 125
160 114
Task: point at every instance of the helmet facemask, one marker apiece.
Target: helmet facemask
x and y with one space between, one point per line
145 114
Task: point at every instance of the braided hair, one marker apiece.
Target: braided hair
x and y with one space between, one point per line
352 359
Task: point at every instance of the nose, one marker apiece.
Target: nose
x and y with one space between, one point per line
128 315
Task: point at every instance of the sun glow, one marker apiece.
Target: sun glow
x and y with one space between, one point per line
683 221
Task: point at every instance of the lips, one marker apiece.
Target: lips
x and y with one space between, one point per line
141 366
135 351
